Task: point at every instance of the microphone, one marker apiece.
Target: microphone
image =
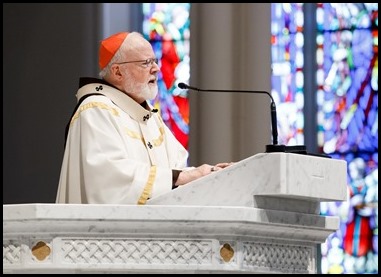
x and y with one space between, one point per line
275 147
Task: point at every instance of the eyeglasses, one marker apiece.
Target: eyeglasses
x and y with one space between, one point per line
144 63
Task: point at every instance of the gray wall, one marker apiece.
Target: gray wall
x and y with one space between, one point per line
47 47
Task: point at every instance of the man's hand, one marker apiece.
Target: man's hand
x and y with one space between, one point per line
198 172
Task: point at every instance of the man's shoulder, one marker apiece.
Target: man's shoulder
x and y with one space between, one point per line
83 81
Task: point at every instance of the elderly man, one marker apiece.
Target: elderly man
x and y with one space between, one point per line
117 149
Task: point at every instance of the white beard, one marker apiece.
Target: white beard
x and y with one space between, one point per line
148 92
142 91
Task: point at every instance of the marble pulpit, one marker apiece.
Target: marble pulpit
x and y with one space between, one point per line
260 215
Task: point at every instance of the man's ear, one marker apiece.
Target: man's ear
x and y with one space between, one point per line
115 71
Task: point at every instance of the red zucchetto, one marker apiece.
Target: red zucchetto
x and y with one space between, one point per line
108 48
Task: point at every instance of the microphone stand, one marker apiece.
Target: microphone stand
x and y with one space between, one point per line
275 147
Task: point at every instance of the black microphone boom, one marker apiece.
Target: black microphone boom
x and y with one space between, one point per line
269 148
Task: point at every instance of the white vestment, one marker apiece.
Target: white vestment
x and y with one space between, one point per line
117 152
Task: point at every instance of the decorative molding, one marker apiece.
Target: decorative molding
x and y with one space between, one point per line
11 253
278 257
130 251
75 239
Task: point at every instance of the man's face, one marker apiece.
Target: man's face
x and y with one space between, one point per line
140 78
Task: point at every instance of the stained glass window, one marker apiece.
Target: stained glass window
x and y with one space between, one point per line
287 41
347 99
167 27
347 115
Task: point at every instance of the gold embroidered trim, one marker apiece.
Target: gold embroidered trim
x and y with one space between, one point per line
148 187
134 135
160 139
156 142
93 105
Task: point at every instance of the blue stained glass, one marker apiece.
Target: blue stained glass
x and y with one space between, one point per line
287 63
349 64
